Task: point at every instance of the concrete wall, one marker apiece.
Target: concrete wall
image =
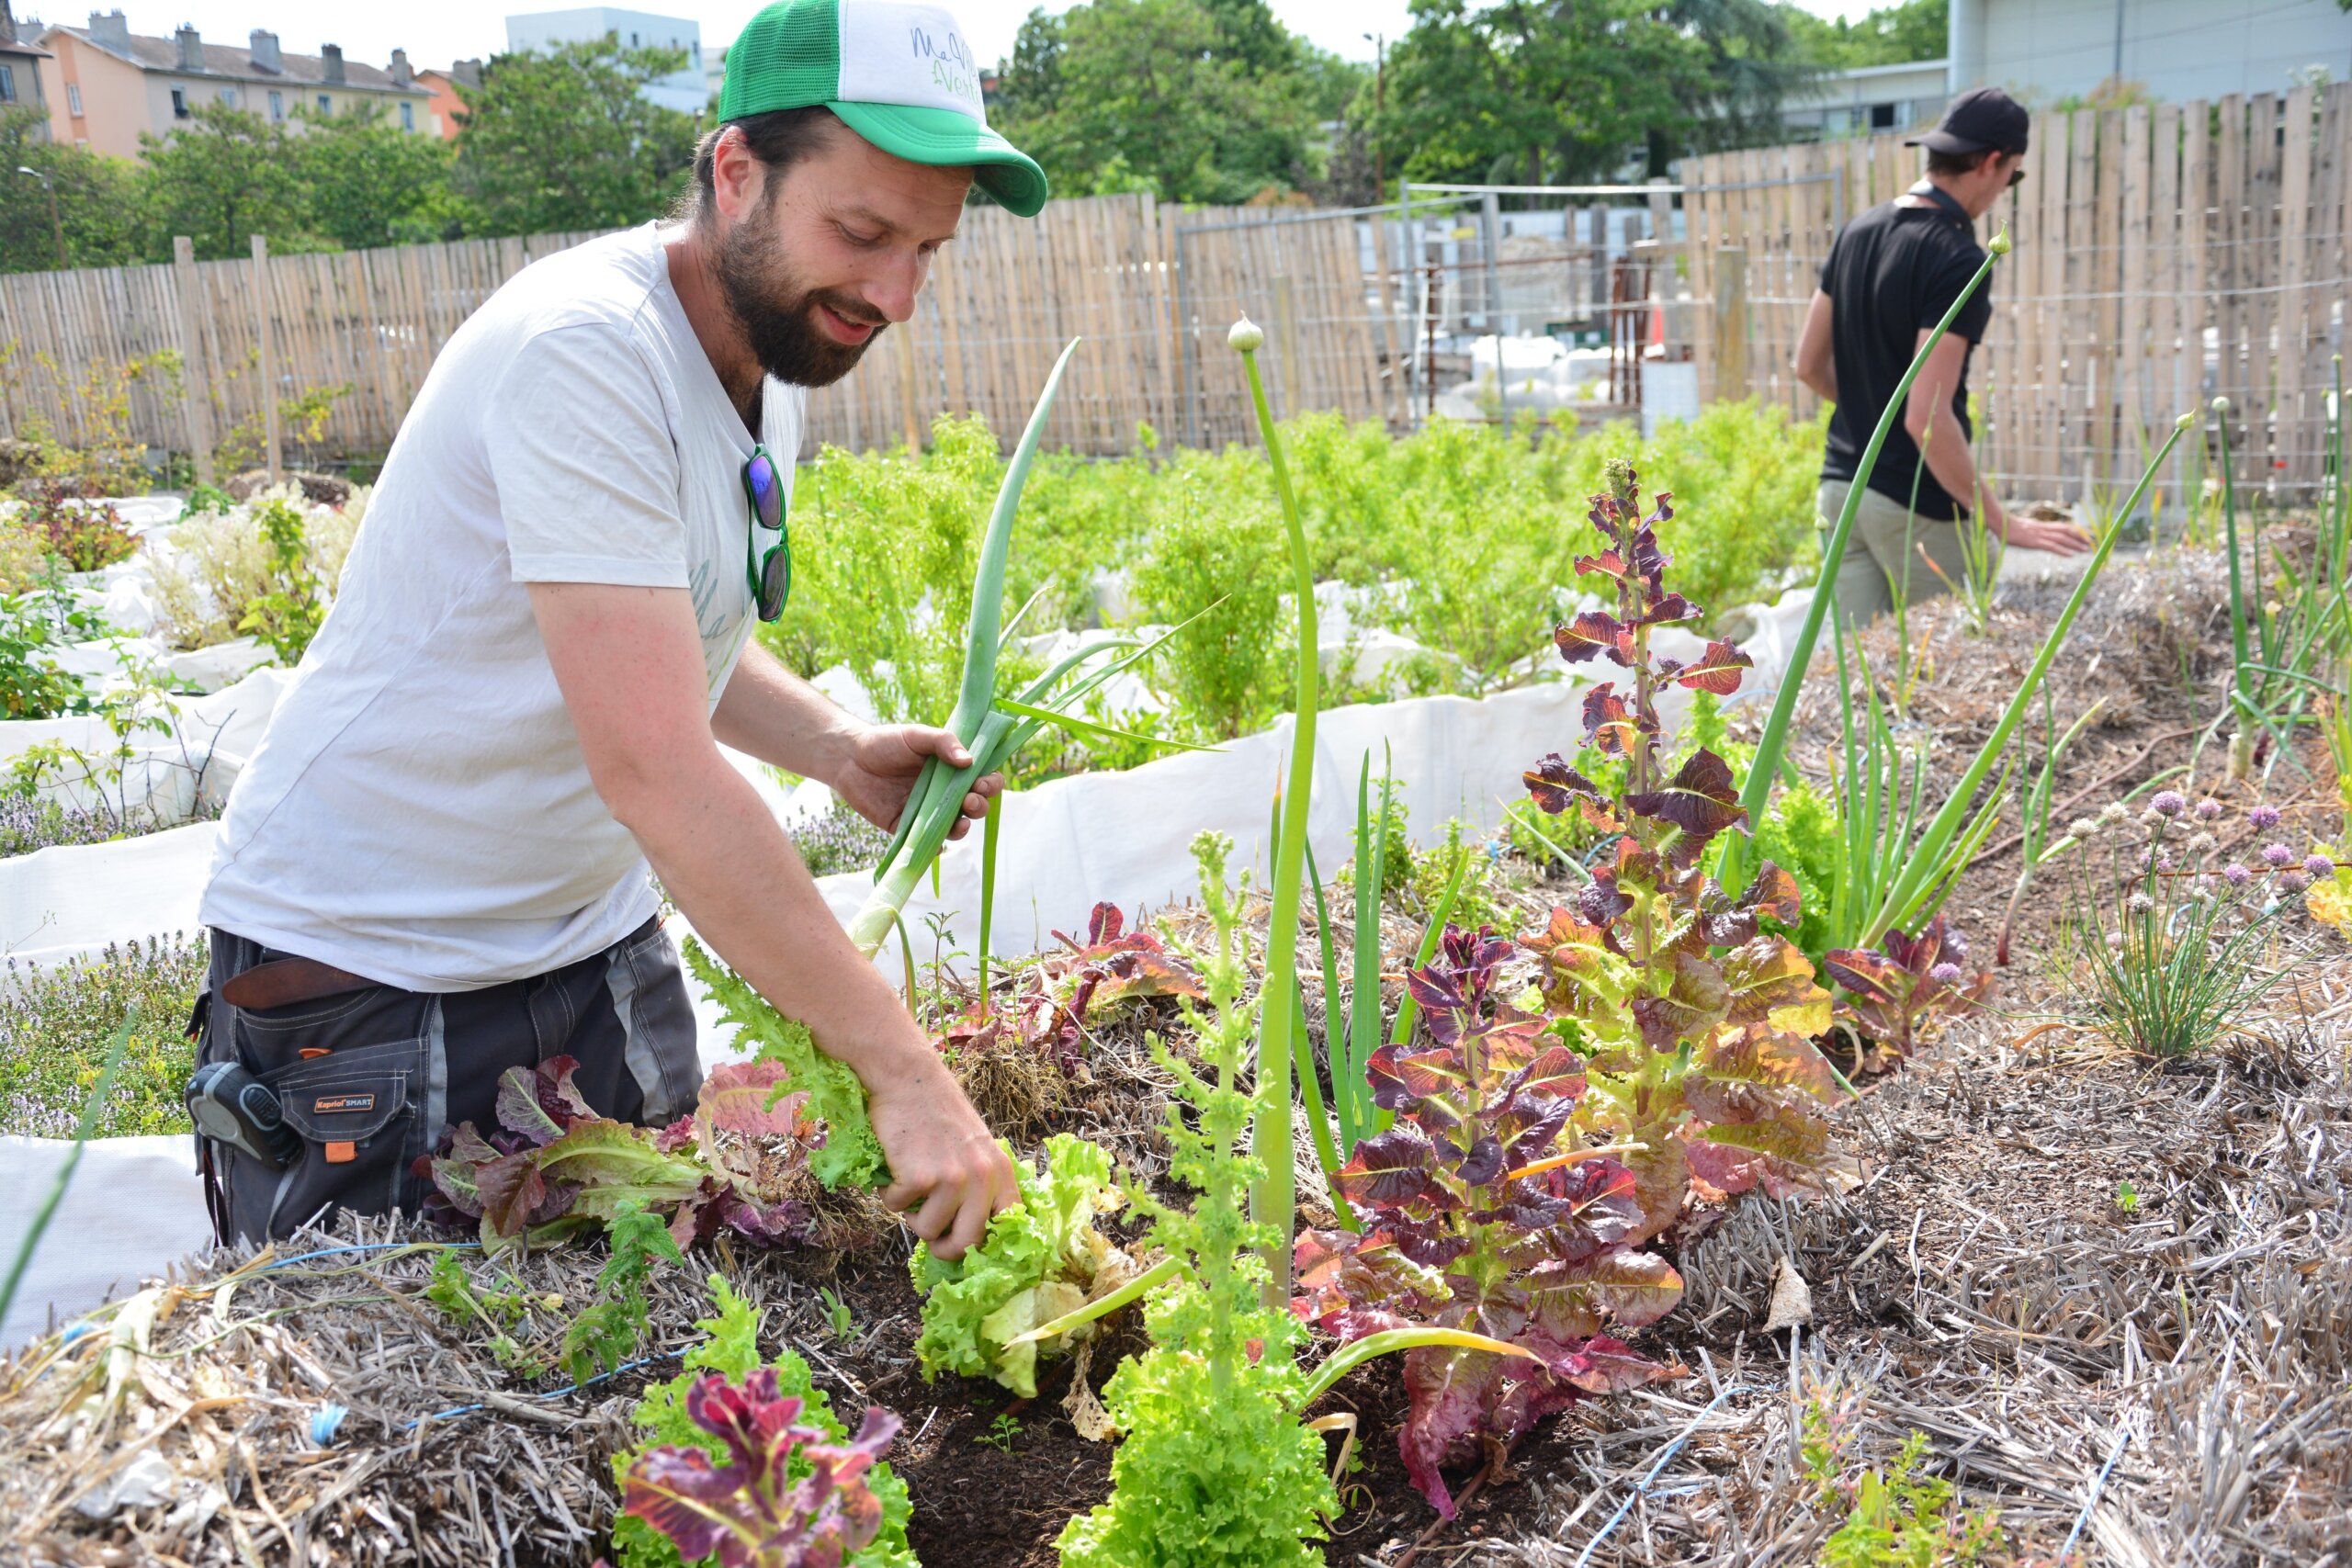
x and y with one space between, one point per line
2177 50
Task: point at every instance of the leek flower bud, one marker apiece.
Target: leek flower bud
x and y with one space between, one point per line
1246 336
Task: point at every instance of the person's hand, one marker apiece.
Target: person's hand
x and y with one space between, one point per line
883 762
944 1164
2034 534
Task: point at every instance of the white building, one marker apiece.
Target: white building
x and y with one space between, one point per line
686 89
714 67
1869 99
2043 50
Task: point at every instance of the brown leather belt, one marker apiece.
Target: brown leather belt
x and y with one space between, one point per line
286 981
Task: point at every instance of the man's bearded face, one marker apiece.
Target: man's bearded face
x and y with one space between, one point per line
780 315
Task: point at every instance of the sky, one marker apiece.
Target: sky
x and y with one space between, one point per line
436 32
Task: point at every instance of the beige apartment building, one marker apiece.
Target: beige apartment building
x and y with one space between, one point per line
108 83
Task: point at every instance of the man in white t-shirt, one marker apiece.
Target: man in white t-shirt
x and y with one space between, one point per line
436 867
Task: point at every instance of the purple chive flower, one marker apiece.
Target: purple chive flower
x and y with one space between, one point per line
1945 974
2236 874
2292 882
2141 903
2277 854
2169 803
2208 809
2319 868
1956 943
2264 817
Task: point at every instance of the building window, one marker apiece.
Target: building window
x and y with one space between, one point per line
1882 117
276 107
408 116
229 97
179 102
73 99
8 85
326 105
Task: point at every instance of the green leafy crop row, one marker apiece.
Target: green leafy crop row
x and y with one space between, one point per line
1455 525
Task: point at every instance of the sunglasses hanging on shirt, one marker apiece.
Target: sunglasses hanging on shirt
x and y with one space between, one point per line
770 574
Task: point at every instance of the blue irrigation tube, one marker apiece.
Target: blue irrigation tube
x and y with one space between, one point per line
459 1410
1642 1486
2121 1439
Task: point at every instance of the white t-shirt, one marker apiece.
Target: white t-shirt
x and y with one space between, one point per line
419 812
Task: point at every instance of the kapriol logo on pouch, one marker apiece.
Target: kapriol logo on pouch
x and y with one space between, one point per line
949 60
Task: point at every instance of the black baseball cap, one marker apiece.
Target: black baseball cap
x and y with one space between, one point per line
1978 119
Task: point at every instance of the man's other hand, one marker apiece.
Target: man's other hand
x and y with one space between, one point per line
2059 538
944 1163
885 760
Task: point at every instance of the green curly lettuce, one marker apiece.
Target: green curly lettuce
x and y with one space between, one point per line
851 1156
1208 1476
1040 1259
732 1350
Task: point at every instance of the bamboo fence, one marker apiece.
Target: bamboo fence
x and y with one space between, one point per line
1003 298
2164 253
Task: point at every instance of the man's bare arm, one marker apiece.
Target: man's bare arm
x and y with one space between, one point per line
630 665
768 712
1816 362
1928 416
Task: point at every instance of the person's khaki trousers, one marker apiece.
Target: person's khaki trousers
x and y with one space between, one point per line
1883 554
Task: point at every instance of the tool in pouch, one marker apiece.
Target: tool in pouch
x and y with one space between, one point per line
229 1105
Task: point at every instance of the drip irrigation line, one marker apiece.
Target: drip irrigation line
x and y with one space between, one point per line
1640 1487
2097 1486
455 1411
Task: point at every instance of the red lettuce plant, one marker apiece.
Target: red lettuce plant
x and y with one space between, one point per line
1053 998
552 1165
753 1511
1470 1222
1694 1020
1896 988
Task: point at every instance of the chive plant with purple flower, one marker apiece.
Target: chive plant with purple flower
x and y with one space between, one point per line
2169 942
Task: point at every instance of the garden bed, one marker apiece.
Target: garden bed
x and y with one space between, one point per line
2112 1300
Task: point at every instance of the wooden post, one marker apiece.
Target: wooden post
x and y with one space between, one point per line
1731 322
192 363
268 353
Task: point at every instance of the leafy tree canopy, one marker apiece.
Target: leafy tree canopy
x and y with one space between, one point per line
563 139
1890 35
222 179
97 208
370 183
1193 100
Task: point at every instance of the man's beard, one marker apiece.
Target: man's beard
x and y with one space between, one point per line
777 315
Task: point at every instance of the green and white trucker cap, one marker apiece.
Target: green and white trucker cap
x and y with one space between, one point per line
900 75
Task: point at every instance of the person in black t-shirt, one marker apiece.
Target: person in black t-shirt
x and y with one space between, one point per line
1891 275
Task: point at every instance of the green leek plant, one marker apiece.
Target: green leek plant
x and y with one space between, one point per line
1733 870
1273 1196
2035 848
1942 848
2279 640
992 727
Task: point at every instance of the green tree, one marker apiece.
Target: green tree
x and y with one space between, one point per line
564 140
1537 91
1153 93
1891 35
224 177
370 183
1754 63
95 207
